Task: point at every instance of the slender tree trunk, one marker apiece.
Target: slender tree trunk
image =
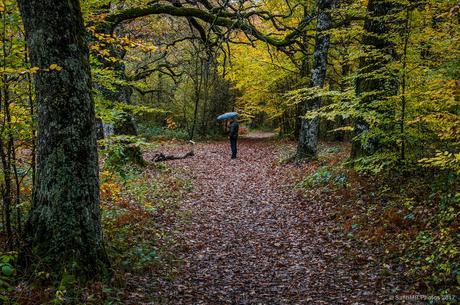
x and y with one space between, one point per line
160 89
32 119
17 183
8 145
375 82
304 71
63 230
205 76
6 190
309 129
403 85
6 193
198 84
340 121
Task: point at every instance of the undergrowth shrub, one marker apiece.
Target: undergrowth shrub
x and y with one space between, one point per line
121 150
323 176
414 218
435 255
135 207
7 274
162 133
286 155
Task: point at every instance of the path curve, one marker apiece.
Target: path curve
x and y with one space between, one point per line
253 239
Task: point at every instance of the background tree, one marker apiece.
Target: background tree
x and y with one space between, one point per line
377 81
309 129
16 123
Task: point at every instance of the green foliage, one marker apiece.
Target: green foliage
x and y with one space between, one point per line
147 196
325 176
7 274
122 150
162 133
286 155
376 163
318 179
417 123
6 281
16 134
435 254
263 93
414 219
444 161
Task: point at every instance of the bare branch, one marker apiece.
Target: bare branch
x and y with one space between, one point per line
239 24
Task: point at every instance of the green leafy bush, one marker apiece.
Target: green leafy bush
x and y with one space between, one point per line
156 133
122 150
7 273
323 176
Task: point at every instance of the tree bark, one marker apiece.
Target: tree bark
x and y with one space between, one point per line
304 72
309 128
63 231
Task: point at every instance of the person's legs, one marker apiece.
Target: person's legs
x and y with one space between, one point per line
233 147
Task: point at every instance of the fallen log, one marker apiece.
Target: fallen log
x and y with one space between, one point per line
160 157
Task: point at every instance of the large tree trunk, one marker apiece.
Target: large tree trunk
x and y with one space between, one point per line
309 128
63 231
375 82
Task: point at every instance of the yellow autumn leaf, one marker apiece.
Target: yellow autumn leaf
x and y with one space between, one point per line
34 70
104 52
55 67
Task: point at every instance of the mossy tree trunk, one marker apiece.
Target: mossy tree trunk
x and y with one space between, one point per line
309 128
63 231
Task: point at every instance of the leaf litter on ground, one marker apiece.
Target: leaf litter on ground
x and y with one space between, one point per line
252 238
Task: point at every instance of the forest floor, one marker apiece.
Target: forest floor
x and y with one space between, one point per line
253 237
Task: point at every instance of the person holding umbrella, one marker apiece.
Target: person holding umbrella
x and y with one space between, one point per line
233 128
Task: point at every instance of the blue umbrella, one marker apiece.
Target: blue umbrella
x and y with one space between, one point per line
227 115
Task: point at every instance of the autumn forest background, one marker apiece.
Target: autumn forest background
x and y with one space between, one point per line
115 179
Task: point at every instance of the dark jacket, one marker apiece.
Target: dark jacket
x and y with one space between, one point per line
234 126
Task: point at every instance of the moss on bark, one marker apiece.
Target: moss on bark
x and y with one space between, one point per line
63 232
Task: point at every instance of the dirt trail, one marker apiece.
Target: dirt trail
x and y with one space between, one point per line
253 239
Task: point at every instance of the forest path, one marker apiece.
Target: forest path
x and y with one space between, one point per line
253 239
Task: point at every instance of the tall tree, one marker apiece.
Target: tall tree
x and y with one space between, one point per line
376 82
124 125
308 137
63 230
